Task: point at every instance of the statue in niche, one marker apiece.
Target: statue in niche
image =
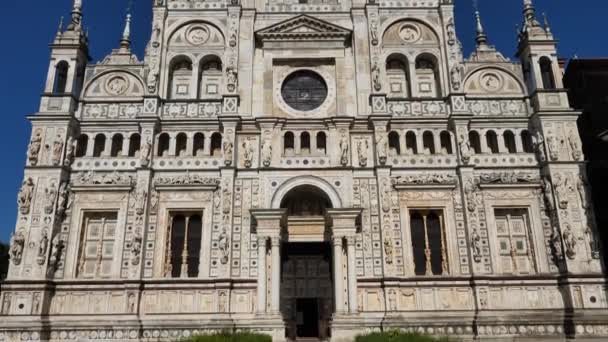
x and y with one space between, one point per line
69 152
62 198
575 147
222 302
456 76
476 244
231 79
16 247
556 245
594 244
569 241
362 147
374 32
382 148
465 149
57 151
227 203
247 153
50 194
563 190
43 246
56 248
470 190
145 153
6 304
131 302
451 32
228 148
392 300
24 199
376 77
33 150
538 143
224 246
136 244
582 187
267 152
388 247
554 147
548 193
344 147
36 303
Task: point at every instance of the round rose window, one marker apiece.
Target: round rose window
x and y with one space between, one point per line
304 90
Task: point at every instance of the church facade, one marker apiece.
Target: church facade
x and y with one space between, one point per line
306 169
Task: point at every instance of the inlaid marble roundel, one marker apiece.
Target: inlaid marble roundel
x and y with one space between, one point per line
304 90
117 85
410 33
198 35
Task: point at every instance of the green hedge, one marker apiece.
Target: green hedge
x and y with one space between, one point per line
397 336
230 337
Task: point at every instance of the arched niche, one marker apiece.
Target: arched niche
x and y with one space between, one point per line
493 81
409 32
115 84
311 182
197 34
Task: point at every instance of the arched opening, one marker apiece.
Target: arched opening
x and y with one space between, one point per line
116 149
306 265
198 144
181 144
446 143
99 146
410 143
427 76
61 78
428 142
288 144
475 142
180 78
163 145
82 144
305 143
216 144
210 77
546 71
492 142
509 138
321 143
397 75
134 145
393 143
526 140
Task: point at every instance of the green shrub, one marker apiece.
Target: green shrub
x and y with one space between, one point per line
230 337
397 336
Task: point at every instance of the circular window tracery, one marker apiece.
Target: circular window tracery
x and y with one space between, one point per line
304 90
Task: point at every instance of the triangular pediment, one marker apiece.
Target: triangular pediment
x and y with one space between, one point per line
303 27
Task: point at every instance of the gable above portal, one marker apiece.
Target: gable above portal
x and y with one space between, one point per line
304 28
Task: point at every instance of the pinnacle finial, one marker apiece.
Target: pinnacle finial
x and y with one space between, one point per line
482 38
60 28
76 24
546 22
529 11
125 41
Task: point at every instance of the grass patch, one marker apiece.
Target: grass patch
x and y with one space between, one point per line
230 337
397 336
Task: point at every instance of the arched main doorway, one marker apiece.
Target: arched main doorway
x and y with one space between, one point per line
306 279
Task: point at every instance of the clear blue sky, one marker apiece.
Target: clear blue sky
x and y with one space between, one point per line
29 26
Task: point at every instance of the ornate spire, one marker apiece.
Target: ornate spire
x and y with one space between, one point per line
529 11
547 27
482 38
76 24
60 28
125 41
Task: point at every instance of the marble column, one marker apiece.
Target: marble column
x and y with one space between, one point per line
262 274
275 289
352 274
338 276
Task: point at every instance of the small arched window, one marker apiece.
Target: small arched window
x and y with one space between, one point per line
546 71
509 138
210 77
288 143
446 143
198 145
82 144
427 76
216 144
181 144
475 142
180 78
305 143
117 141
410 143
393 143
397 76
492 142
163 145
428 142
134 144
322 142
61 78
526 140
99 146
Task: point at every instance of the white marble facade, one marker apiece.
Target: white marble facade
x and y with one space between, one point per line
304 168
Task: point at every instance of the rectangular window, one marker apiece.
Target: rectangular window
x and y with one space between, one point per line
514 241
184 237
97 245
428 242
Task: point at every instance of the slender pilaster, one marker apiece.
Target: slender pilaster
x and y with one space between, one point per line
352 275
262 274
338 277
275 275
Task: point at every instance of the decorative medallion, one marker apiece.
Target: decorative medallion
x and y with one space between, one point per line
198 35
410 33
117 85
491 82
